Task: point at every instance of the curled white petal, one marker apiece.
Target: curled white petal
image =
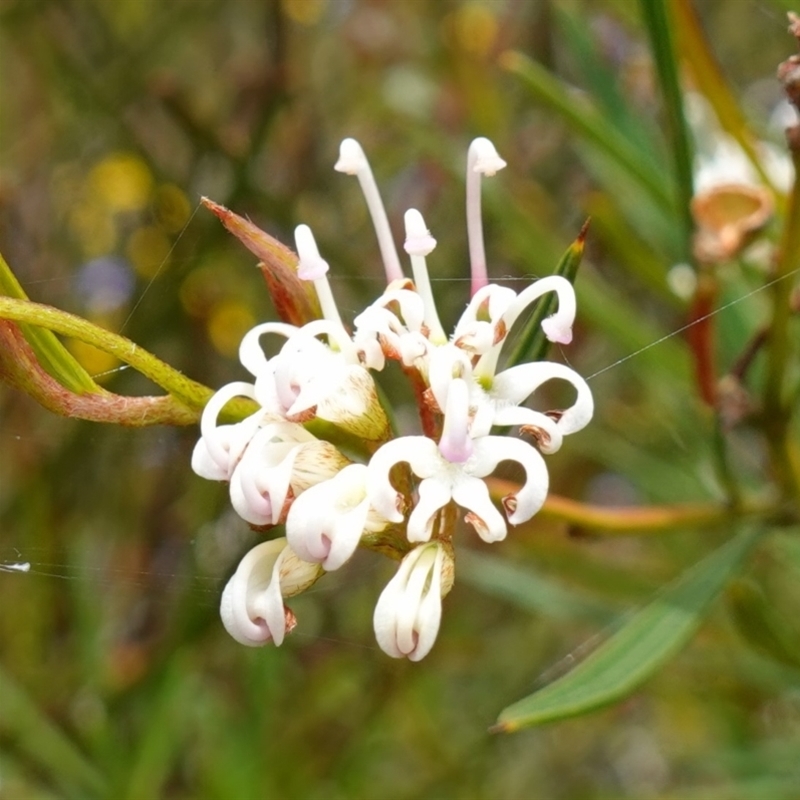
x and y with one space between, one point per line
326 522
473 494
397 335
260 483
251 354
491 450
557 327
220 447
479 335
419 451
516 384
252 605
252 608
434 494
549 437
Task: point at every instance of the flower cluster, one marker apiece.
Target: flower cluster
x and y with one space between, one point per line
286 465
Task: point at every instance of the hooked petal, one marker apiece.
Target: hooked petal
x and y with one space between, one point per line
248 588
491 450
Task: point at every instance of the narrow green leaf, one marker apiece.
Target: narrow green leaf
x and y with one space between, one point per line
759 624
527 589
659 28
52 355
532 344
710 80
600 75
590 125
638 649
627 246
31 733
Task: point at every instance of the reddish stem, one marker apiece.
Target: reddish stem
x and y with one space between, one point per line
700 337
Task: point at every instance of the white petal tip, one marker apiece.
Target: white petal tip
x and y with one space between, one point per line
351 158
487 160
419 241
312 266
557 332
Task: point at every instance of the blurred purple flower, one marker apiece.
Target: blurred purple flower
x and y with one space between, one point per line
105 283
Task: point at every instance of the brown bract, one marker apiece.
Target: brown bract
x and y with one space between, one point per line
295 300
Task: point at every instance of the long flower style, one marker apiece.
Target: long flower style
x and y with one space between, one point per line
395 494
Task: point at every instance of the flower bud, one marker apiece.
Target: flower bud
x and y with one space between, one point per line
410 607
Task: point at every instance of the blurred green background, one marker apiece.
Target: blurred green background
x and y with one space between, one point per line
117 678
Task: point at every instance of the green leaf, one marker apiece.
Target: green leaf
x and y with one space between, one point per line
711 82
585 120
161 741
637 650
532 344
30 731
52 355
600 74
657 21
757 621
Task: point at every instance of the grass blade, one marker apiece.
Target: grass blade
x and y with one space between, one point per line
590 125
528 589
41 742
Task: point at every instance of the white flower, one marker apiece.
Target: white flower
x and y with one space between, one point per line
280 471
409 609
444 480
310 379
252 607
720 159
326 522
380 332
282 460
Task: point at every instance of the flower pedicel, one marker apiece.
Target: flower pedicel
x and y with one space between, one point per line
282 469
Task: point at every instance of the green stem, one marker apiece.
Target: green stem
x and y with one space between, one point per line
725 474
188 392
777 411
